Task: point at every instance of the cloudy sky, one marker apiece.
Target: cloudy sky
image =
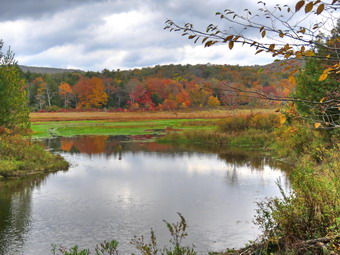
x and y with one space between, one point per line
112 34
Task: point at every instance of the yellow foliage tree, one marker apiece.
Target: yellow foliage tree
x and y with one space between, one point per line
213 102
65 90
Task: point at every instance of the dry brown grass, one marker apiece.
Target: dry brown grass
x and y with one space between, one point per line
135 116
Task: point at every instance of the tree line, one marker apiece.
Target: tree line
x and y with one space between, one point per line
165 87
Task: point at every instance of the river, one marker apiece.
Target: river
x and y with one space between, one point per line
117 188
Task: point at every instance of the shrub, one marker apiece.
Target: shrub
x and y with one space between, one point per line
263 121
52 108
21 154
234 124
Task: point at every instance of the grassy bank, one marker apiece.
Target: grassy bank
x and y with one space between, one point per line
127 123
21 157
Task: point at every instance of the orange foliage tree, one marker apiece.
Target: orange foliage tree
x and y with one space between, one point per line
183 99
90 93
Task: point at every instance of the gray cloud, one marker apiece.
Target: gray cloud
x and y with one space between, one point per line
98 34
18 9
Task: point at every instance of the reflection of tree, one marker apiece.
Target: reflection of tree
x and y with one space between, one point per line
84 144
118 145
15 212
66 144
231 175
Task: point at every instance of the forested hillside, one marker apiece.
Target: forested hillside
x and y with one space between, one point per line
155 88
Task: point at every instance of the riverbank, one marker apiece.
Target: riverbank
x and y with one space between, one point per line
20 157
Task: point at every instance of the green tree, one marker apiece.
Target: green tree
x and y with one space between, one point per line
312 93
317 89
14 113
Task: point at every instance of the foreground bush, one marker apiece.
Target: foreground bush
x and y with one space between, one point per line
306 222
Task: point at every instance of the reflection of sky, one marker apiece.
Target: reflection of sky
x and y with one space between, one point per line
103 198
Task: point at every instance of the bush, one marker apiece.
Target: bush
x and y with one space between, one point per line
52 108
262 121
23 155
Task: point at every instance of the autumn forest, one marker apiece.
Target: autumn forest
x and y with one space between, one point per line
166 87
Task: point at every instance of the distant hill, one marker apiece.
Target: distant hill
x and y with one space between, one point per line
279 66
47 70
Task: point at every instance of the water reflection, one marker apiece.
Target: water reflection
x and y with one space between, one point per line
15 212
118 145
116 189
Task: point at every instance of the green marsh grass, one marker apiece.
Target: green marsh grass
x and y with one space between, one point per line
100 127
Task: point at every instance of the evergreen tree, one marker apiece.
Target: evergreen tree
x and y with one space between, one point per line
14 113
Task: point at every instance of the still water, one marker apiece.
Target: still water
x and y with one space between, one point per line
116 189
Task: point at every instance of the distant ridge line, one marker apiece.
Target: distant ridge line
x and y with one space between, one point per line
47 70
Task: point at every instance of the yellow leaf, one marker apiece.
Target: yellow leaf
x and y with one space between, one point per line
299 5
282 119
298 54
322 99
229 37
323 76
320 9
309 7
231 44
292 80
309 53
303 30
318 124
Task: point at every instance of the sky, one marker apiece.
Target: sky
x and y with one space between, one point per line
93 35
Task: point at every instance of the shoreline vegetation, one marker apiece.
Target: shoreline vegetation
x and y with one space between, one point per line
22 157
